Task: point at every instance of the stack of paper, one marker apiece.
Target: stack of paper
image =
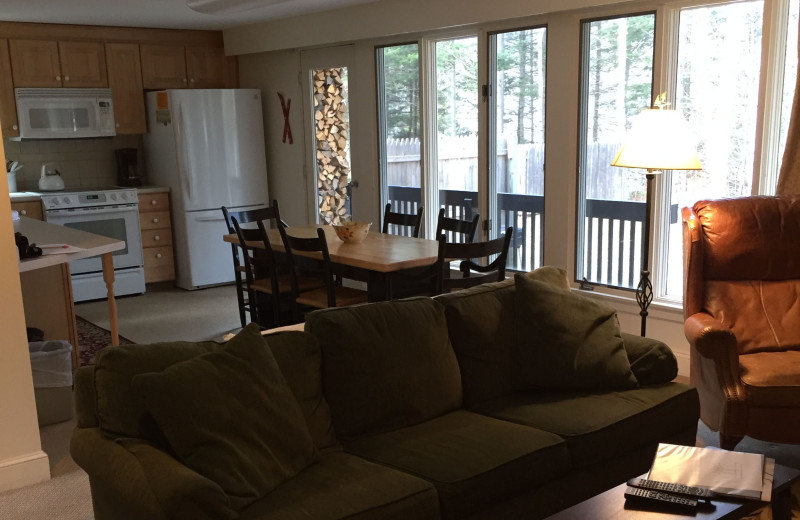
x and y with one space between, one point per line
746 475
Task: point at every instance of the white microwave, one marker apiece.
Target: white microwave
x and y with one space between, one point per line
64 113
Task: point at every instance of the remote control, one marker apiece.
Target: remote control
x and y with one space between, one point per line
697 492
658 500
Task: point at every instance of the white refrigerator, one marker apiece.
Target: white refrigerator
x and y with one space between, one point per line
207 146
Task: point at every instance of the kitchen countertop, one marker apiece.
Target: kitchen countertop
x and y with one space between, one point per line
39 232
32 196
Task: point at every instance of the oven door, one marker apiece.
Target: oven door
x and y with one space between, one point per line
120 222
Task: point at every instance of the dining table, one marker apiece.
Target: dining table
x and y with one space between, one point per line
374 260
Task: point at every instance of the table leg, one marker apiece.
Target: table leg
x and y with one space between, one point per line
108 278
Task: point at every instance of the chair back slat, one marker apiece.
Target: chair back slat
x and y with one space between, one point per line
319 268
465 228
402 219
471 272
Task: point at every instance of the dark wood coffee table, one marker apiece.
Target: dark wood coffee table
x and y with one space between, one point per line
611 504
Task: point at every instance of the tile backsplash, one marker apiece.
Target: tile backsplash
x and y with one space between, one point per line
82 162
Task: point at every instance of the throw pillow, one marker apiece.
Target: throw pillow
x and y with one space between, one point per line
230 416
566 341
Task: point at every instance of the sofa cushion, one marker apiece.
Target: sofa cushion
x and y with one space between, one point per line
566 341
121 411
230 416
652 362
473 460
300 359
600 426
386 365
341 486
480 321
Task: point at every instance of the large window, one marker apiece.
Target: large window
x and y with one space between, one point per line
516 141
616 84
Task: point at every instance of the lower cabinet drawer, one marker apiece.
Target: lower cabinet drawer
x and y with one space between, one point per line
158 264
154 220
156 237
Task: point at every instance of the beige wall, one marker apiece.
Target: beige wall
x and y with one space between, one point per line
22 460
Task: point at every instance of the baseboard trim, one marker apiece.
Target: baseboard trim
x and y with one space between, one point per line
23 471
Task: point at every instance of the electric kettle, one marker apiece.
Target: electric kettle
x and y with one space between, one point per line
50 180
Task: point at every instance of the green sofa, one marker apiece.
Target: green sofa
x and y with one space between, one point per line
409 409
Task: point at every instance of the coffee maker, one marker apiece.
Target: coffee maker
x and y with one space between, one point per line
127 171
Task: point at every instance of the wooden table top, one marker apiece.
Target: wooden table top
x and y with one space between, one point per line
378 252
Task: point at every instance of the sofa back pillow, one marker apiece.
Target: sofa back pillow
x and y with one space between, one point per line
386 365
121 412
480 321
565 341
300 359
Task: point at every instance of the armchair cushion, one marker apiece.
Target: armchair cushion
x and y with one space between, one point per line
566 341
772 379
764 315
230 416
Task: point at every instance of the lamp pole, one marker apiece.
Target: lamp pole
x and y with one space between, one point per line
644 291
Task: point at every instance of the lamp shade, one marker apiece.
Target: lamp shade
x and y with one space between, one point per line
658 140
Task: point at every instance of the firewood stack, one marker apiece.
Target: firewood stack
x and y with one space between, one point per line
333 169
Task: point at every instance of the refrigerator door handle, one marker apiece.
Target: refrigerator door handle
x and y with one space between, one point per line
208 219
183 172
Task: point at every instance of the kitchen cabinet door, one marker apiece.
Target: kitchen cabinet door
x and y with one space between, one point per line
34 63
30 209
8 104
125 80
205 67
163 66
83 64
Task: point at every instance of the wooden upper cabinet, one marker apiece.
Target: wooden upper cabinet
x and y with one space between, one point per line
8 104
34 63
163 66
83 64
125 80
205 67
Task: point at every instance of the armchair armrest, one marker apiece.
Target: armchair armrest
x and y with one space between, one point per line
710 337
130 478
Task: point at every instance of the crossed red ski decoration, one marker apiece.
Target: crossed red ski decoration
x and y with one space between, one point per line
287 129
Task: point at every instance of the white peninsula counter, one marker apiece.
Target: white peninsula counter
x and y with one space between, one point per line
46 282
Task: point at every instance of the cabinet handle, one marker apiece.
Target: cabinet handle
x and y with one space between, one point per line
66 78
15 127
154 202
117 125
58 78
184 80
155 221
23 212
156 238
159 255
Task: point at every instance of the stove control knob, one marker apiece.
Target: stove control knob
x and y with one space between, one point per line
124 196
66 200
54 202
113 196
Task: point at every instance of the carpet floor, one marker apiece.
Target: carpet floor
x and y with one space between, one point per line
92 339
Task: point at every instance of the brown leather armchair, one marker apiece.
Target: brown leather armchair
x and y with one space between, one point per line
742 310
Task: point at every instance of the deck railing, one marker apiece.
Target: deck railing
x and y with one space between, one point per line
613 230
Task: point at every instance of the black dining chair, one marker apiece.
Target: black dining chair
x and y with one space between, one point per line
329 293
411 221
472 271
242 217
457 230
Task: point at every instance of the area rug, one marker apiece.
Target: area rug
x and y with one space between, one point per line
92 339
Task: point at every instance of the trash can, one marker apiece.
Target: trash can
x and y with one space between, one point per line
51 365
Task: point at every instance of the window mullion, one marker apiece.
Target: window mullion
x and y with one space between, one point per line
766 163
429 160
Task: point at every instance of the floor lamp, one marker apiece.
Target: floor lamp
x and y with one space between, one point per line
658 140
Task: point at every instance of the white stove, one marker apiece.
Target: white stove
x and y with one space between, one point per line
111 211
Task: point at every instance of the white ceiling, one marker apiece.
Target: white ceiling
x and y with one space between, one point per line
172 14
